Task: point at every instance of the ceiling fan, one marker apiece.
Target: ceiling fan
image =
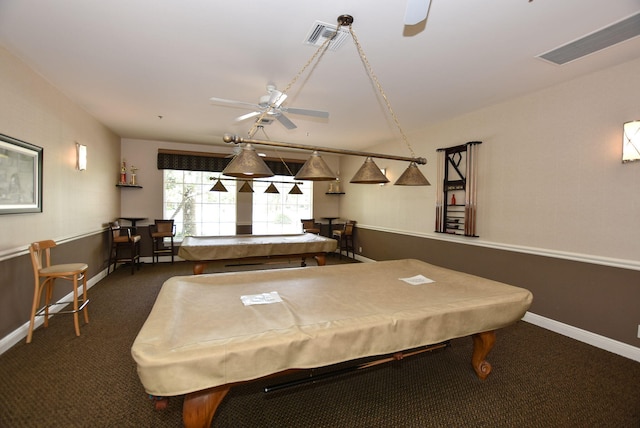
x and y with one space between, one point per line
270 108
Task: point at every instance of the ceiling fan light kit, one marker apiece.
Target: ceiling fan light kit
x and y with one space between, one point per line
269 108
315 169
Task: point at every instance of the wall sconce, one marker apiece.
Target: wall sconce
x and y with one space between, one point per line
81 157
631 141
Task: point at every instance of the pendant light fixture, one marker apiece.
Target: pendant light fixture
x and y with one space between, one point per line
315 169
369 173
295 190
272 189
218 187
412 177
247 164
245 188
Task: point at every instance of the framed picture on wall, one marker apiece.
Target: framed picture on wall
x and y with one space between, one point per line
20 176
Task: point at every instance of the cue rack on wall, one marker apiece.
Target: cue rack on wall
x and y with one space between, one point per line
456 200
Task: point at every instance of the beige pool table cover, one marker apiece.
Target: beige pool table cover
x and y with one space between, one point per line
247 246
199 334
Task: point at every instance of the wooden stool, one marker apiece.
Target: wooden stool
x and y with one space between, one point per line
45 277
158 231
122 239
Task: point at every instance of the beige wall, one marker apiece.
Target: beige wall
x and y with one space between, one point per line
76 205
550 173
74 202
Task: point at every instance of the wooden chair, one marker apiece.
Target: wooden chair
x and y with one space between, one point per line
345 238
158 231
310 226
45 275
125 247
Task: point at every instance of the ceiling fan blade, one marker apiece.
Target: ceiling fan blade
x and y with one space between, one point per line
247 116
234 103
286 122
306 112
416 12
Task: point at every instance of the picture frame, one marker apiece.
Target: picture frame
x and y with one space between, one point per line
20 176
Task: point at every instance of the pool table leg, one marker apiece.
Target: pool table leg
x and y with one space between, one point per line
482 345
198 268
200 406
321 258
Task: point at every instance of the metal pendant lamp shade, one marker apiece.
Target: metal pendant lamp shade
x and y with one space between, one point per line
315 169
271 189
218 187
247 164
295 190
246 188
412 177
369 173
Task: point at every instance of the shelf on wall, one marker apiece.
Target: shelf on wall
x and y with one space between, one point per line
135 186
334 193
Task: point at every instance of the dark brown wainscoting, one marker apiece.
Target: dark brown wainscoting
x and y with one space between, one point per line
600 299
16 277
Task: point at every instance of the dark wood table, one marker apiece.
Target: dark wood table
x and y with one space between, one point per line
330 221
133 221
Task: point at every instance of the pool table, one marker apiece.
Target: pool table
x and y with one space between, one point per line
207 333
203 249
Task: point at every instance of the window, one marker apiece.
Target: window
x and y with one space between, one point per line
196 210
280 213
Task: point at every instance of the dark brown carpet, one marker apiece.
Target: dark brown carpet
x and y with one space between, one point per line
539 379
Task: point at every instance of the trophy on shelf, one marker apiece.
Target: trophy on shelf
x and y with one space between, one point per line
132 182
334 186
123 172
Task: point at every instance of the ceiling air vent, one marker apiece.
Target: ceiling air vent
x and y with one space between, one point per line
623 30
321 31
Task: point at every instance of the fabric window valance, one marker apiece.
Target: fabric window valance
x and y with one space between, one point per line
215 162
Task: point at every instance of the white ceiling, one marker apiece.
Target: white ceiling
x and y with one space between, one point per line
147 68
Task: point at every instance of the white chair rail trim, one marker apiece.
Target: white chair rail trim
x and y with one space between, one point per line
11 253
578 257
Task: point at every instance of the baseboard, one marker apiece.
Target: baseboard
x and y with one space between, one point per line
21 332
593 339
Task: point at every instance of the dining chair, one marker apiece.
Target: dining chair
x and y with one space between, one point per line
45 275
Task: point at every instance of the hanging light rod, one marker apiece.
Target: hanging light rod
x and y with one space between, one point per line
247 164
256 181
236 139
